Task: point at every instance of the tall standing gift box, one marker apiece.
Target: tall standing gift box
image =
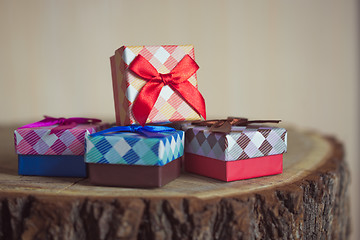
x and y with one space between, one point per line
54 146
134 156
240 152
156 84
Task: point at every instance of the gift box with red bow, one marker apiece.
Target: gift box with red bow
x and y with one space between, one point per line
156 84
54 146
234 149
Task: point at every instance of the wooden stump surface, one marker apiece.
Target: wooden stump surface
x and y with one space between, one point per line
310 200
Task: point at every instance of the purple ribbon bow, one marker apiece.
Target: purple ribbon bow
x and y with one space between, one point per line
63 123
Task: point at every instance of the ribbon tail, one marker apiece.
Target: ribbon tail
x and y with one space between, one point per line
223 128
145 101
192 96
80 120
42 123
155 131
264 121
63 127
112 129
151 134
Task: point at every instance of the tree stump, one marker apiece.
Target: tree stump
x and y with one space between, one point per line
310 200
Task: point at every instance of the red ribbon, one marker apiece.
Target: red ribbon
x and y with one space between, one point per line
176 79
63 123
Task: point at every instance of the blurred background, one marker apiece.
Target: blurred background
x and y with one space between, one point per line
292 60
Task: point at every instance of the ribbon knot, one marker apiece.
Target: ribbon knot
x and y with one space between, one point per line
146 131
176 79
224 125
134 128
63 123
166 78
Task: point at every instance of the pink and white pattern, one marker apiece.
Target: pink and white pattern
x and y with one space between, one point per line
169 106
39 141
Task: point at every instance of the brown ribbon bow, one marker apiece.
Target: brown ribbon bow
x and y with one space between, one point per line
224 125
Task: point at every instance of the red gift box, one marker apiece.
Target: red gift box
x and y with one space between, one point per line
234 170
223 150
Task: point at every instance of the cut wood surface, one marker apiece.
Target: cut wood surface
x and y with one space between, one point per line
310 200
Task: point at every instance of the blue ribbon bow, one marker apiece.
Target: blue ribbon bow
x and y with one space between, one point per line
147 131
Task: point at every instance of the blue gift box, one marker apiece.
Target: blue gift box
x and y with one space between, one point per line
134 156
44 151
52 165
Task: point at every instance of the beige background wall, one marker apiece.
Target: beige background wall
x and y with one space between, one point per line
293 60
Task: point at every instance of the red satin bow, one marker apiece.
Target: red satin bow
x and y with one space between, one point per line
176 79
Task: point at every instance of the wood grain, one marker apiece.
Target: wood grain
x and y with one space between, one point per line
310 200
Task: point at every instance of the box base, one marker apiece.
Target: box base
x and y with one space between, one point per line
52 165
234 170
121 175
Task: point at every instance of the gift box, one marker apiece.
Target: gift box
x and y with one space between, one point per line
241 153
156 84
134 156
54 146
234 170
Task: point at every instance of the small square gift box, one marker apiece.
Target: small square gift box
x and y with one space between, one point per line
156 84
134 156
54 146
234 149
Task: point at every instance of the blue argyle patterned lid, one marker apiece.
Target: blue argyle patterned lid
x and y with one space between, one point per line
134 149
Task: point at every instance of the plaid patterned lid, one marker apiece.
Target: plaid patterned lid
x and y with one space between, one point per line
242 142
39 141
134 149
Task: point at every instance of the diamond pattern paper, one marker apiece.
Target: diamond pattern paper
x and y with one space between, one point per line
169 107
39 141
134 149
240 143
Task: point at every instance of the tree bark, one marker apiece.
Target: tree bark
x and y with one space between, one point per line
312 205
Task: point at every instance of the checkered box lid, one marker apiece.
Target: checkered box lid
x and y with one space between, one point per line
39 141
242 142
134 149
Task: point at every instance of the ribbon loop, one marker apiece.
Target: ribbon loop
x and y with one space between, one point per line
63 123
224 125
176 79
147 131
